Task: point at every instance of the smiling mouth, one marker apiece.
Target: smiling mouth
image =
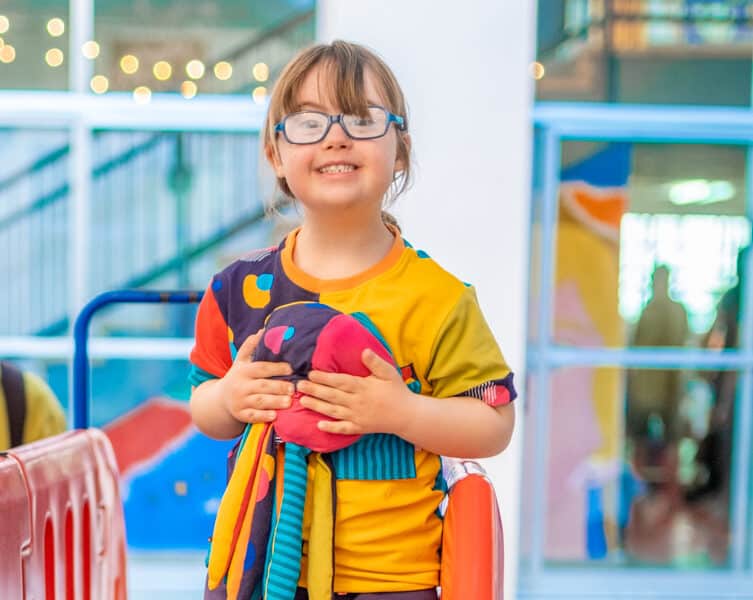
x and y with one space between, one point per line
337 169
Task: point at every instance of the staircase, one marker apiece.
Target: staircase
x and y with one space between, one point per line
162 204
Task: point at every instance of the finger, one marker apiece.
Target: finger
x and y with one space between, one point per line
246 351
251 415
271 386
377 365
323 392
264 370
342 427
269 401
322 407
341 381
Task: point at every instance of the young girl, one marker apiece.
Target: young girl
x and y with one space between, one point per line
337 137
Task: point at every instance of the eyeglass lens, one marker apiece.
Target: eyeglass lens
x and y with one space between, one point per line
309 127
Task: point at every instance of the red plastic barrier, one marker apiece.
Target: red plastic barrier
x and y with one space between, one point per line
15 538
472 541
72 546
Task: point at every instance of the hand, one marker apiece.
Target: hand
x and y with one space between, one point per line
373 404
248 393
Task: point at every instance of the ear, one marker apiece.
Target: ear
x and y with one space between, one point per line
399 163
273 158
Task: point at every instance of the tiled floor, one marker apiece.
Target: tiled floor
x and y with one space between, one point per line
165 576
665 529
668 531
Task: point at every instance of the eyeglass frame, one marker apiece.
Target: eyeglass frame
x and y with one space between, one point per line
332 119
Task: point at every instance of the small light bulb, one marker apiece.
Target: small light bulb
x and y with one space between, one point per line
188 89
54 57
538 70
259 94
195 69
90 49
129 64
162 70
223 70
56 27
260 71
7 54
142 94
99 84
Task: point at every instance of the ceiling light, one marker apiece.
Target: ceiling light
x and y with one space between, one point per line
700 191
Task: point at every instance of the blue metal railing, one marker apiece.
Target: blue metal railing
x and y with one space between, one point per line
555 123
81 337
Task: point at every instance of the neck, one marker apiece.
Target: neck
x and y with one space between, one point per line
339 246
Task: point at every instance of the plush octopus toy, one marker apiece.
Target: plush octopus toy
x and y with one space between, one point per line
256 545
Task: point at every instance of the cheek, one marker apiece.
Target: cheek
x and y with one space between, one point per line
293 162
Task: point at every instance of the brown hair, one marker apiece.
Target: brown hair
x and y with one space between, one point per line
345 63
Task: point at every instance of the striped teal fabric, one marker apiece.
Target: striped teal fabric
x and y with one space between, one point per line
377 456
284 558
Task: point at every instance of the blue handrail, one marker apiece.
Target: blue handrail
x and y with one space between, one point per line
81 336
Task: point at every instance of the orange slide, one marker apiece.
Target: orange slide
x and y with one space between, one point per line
472 541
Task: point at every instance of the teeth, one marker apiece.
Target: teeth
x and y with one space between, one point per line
337 169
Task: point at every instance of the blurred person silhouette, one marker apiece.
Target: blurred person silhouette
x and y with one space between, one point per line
653 395
29 409
715 450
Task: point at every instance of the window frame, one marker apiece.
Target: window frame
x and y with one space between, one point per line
554 123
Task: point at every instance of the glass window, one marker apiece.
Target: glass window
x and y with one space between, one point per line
645 51
34 45
636 479
647 244
168 210
211 47
638 397
33 230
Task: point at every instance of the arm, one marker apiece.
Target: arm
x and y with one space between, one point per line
465 371
458 426
209 413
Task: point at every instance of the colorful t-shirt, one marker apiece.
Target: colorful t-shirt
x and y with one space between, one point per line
387 528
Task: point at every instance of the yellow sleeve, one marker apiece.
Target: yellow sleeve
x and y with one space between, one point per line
44 415
466 360
4 432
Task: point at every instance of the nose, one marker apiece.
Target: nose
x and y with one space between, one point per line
336 137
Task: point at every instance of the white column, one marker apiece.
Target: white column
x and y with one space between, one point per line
464 68
81 29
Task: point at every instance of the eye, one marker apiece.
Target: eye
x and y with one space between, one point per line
310 124
362 121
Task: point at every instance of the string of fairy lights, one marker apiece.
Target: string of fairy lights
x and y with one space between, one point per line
162 70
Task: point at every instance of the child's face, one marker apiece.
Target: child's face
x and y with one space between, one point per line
371 163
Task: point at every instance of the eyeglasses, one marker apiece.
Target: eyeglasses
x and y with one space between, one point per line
311 126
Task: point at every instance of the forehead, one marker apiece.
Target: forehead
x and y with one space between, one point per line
320 87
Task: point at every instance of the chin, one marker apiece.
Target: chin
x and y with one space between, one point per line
335 202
